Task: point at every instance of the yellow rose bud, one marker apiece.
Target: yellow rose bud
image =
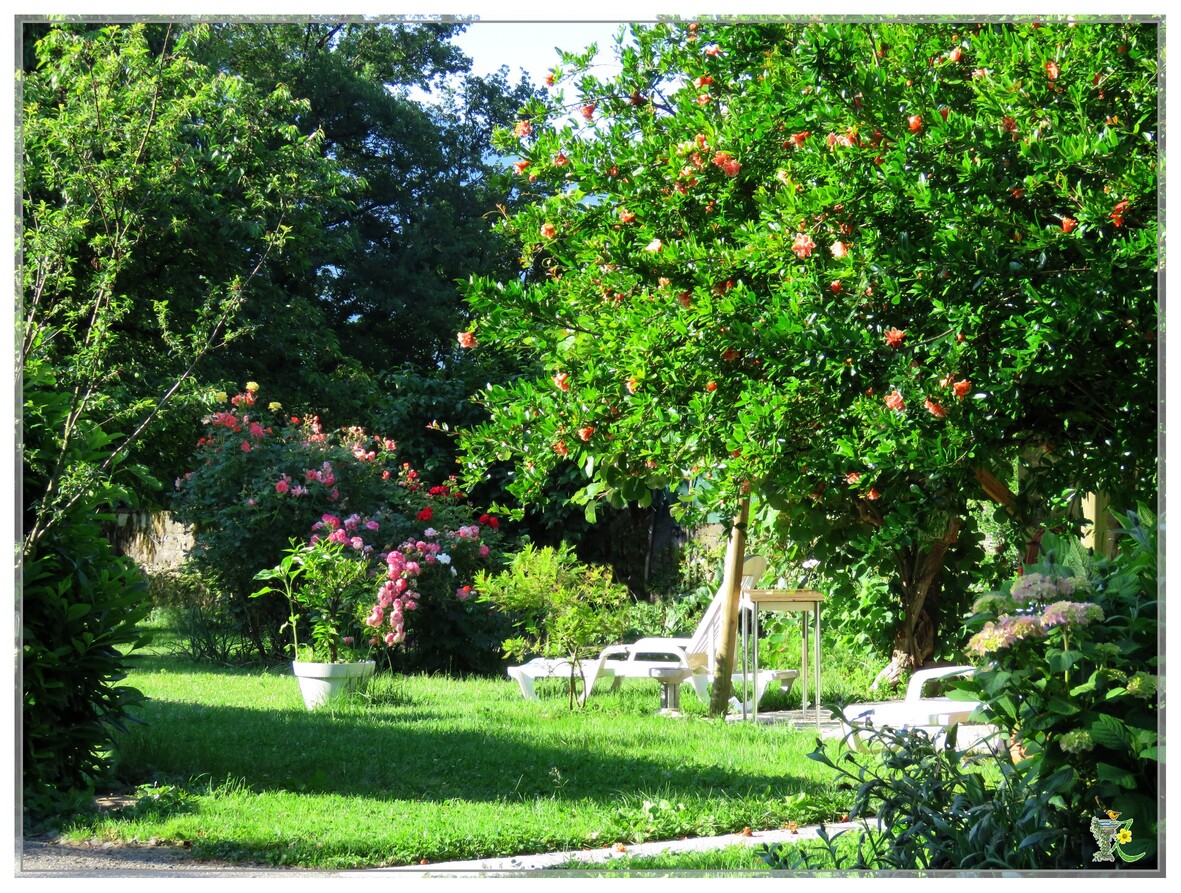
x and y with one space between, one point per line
221 396
252 386
274 407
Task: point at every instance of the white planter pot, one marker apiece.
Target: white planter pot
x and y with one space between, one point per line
319 683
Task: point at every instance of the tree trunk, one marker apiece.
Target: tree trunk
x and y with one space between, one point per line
731 581
920 574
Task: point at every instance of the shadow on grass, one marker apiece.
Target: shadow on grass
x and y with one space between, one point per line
403 747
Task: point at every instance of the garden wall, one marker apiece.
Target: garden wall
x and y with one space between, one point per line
151 539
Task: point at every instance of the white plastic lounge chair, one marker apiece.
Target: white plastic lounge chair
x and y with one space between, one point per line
697 652
935 715
637 660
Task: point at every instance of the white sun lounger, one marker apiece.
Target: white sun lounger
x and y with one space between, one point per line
935 715
637 660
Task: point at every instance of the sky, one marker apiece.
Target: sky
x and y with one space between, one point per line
533 46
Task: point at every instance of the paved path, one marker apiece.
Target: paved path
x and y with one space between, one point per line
513 865
40 858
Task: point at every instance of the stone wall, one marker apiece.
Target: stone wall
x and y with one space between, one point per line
152 539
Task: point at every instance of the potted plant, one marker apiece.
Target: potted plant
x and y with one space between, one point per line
326 584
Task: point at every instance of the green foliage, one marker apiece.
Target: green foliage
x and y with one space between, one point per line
933 806
845 266
1072 672
198 613
559 606
326 585
380 277
157 193
1071 688
78 612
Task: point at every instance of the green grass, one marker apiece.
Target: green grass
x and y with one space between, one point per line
434 769
737 860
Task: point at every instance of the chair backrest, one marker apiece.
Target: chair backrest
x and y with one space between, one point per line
703 647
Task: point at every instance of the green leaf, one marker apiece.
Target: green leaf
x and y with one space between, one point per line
1115 775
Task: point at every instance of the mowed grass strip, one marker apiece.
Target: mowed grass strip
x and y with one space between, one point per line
427 769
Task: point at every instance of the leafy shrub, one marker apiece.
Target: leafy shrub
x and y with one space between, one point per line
558 606
79 607
1072 688
935 806
1072 655
264 478
197 614
327 583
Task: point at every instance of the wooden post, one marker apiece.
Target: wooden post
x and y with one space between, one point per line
731 582
1098 536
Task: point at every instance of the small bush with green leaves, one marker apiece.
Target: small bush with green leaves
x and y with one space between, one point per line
559 606
79 607
198 615
927 804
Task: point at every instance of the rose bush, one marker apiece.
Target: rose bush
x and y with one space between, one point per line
265 477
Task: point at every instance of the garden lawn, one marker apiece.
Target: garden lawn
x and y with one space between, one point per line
427 769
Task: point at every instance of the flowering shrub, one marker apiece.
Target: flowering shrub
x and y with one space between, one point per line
1069 662
264 477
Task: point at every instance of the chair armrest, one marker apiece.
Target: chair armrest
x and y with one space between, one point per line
914 689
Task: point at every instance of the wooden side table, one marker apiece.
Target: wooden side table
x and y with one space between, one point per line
802 601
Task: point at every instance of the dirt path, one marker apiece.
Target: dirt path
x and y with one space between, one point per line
48 858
